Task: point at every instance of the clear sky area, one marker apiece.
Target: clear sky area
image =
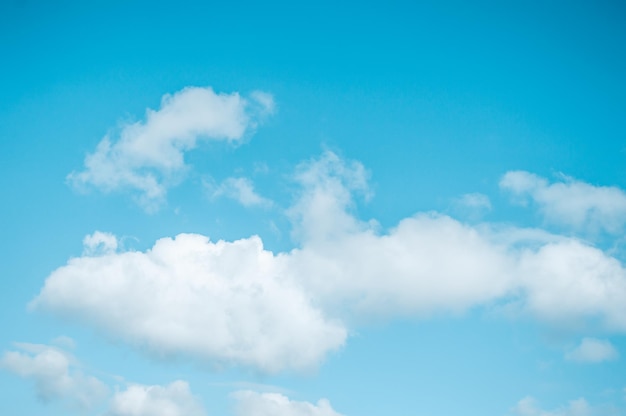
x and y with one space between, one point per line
313 209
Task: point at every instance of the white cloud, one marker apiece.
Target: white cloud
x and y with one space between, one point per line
431 262
241 190
250 403
475 201
99 243
592 350
321 212
148 156
174 399
570 202
236 303
55 374
529 407
225 302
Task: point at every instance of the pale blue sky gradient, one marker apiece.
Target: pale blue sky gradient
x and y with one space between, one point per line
436 100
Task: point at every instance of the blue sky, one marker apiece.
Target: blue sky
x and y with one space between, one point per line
313 209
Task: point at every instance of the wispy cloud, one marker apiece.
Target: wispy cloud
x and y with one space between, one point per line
528 406
239 189
147 157
570 202
56 375
592 350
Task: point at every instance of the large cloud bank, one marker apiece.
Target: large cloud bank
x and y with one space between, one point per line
238 303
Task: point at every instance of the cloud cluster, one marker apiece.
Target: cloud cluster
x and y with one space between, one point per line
56 375
430 262
56 378
237 303
570 202
148 156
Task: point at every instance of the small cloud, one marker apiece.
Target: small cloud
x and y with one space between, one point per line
265 103
99 243
148 157
261 168
241 190
569 202
592 350
476 201
55 374
528 406
473 205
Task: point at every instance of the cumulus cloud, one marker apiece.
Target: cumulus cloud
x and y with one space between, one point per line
250 403
528 406
174 399
56 375
321 211
570 202
148 156
237 303
224 302
431 262
239 189
592 350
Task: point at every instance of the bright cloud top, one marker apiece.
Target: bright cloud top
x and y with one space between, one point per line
174 399
148 156
592 350
55 374
250 403
238 303
225 302
570 202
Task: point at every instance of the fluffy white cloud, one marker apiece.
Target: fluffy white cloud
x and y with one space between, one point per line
432 262
235 302
568 282
148 156
592 350
222 302
56 375
529 407
250 403
570 202
174 399
239 189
